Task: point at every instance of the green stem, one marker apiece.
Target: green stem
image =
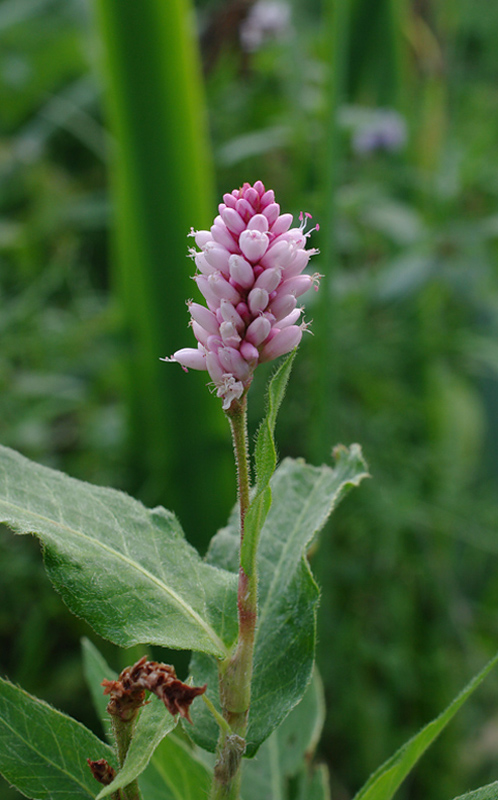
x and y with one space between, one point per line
123 732
237 416
236 672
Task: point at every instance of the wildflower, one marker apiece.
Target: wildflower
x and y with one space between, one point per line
385 131
250 273
267 20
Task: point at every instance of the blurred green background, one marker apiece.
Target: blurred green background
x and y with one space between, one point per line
121 125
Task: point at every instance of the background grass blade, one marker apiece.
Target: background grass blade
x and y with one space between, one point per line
386 780
162 184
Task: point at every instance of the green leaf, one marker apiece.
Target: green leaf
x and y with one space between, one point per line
303 498
95 669
489 792
125 569
288 750
43 753
385 781
314 784
175 773
265 461
299 733
265 454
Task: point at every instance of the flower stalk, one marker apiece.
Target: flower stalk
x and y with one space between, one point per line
236 672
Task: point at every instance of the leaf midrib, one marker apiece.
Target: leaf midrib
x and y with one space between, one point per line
44 757
186 608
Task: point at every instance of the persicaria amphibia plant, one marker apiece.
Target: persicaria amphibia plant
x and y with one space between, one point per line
247 611
250 267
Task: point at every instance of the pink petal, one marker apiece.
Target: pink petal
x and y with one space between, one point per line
258 331
253 244
283 342
190 358
258 300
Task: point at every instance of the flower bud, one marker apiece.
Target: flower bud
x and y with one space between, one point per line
253 244
283 342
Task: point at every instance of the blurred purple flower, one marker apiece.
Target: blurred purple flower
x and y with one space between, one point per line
386 131
267 19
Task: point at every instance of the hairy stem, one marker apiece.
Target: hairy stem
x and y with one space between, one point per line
123 732
236 671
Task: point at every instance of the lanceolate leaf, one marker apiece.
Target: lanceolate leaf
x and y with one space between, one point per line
96 669
489 792
314 784
303 498
385 781
265 458
125 569
175 773
288 751
42 752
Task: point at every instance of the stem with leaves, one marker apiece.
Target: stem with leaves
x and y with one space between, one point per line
236 671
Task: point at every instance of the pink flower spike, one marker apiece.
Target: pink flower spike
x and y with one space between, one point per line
250 272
